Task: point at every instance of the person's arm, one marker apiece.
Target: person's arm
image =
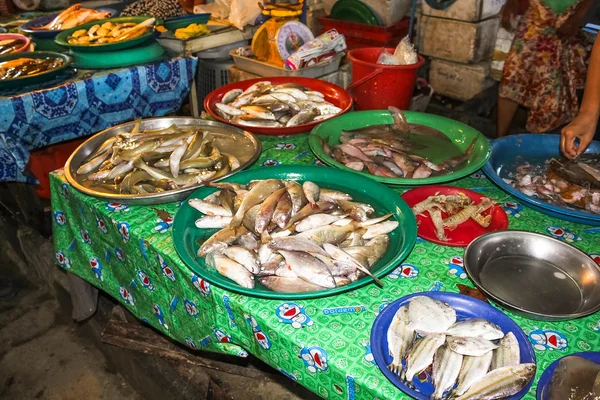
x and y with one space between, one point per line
584 126
573 24
509 12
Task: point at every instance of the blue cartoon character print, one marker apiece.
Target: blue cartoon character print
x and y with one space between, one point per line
547 340
127 296
60 218
82 211
456 267
259 335
64 190
222 336
314 358
596 258
107 254
96 267
228 309
190 308
190 343
368 353
404 271
117 207
159 315
200 284
173 304
285 146
167 271
287 374
62 260
292 313
563 234
436 287
85 236
101 225
270 163
163 225
145 280
513 208
205 341
478 175
123 228
120 254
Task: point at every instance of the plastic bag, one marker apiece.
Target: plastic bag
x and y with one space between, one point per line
319 50
218 10
243 12
386 58
404 54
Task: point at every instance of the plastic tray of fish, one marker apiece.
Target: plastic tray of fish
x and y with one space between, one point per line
260 68
438 345
159 160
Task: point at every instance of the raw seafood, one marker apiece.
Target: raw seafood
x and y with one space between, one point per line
152 161
421 354
476 327
279 247
575 378
470 346
399 339
397 150
28 66
446 367
501 382
72 17
10 45
265 105
508 352
110 32
429 315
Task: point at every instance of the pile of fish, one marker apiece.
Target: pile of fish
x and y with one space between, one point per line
291 237
457 209
575 378
28 66
267 106
110 32
391 150
10 45
152 161
72 17
472 358
562 182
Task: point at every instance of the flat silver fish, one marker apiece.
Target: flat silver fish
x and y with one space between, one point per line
500 383
472 369
470 346
508 352
309 268
430 315
231 269
446 367
421 355
476 327
399 339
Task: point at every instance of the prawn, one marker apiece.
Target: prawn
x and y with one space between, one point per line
467 212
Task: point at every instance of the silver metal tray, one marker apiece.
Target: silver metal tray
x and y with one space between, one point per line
247 154
260 68
535 275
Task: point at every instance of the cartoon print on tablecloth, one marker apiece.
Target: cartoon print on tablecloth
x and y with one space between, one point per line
382 306
259 335
404 271
205 341
123 228
547 339
173 303
166 270
62 260
478 175
229 312
270 163
60 218
117 207
120 254
420 240
145 280
190 343
190 308
221 336
291 376
72 245
163 222
292 313
513 208
144 249
100 223
96 267
85 236
436 287
160 316
82 211
368 353
127 296
242 353
456 267
351 388
107 254
314 358
200 284
563 234
595 257
64 190
285 146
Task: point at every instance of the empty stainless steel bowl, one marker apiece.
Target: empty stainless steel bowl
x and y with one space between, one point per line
534 274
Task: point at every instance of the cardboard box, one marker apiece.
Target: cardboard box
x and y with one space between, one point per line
467 10
459 41
459 81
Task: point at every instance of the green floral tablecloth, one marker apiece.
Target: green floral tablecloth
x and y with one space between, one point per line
128 252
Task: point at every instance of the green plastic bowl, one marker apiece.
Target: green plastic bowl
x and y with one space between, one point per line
63 37
187 237
462 135
38 78
145 53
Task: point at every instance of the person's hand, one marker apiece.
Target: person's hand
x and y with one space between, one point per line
510 11
583 128
567 30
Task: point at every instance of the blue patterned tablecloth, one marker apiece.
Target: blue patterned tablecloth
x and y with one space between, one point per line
86 103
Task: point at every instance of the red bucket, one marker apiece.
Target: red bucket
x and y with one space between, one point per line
377 86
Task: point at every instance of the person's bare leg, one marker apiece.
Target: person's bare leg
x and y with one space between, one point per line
506 112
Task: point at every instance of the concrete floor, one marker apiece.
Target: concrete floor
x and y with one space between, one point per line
42 355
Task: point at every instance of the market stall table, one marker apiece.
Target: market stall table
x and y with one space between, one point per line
128 252
86 103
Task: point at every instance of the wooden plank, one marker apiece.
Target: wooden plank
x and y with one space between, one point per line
139 338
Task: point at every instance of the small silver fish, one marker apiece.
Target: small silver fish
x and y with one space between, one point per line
244 257
508 352
470 346
229 109
231 95
309 268
315 221
380 229
212 221
421 354
446 367
501 382
297 196
303 117
473 369
209 208
399 339
476 327
296 243
231 269
334 195
430 315
311 191
258 112
288 285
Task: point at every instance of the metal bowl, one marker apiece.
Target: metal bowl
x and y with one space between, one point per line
246 154
534 274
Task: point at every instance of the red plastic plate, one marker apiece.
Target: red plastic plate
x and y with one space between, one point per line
333 94
466 232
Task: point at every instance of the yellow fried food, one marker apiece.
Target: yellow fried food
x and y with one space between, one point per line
109 32
192 30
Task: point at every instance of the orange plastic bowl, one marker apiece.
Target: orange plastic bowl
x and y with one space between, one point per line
333 94
16 36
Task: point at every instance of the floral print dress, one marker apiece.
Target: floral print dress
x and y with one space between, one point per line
543 73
